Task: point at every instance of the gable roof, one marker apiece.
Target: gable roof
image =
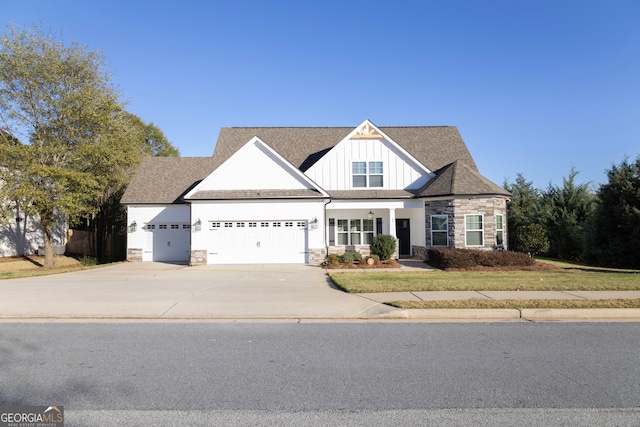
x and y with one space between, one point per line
220 185
460 179
433 146
166 179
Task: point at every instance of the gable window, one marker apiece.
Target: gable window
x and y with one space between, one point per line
473 230
367 174
499 230
439 230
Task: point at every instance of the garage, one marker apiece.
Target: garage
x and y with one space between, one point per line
257 242
168 242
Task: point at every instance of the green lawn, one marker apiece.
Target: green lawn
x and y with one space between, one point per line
566 279
517 304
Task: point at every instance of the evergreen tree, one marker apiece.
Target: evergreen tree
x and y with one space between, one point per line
523 210
566 213
616 228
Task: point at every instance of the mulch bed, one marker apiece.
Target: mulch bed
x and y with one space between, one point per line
391 263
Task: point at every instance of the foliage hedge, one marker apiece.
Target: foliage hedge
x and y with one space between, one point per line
447 258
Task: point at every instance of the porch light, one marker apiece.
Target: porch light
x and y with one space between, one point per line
132 227
198 225
370 214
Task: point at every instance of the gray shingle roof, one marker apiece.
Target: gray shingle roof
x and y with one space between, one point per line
433 146
460 179
254 194
166 179
439 148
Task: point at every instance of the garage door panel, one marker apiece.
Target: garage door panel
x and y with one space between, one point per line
168 242
266 242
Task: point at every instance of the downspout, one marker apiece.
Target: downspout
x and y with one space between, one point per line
324 237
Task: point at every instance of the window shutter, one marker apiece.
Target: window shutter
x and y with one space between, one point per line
332 231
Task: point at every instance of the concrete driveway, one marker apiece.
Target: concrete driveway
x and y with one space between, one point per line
167 291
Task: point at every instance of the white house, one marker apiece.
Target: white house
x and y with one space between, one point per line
21 234
293 195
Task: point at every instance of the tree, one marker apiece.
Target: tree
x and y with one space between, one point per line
523 209
566 213
58 102
617 219
127 141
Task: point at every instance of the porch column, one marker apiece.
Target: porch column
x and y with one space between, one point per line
392 222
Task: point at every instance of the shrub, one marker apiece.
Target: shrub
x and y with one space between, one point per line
350 257
88 261
447 258
332 259
383 246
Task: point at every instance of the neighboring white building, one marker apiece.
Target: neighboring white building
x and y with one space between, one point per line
293 195
21 234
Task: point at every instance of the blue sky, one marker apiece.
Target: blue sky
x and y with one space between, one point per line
535 87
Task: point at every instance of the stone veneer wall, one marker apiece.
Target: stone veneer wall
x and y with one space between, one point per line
134 254
439 207
198 257
489 208
317 256
456 209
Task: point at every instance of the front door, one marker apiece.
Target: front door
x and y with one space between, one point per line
403 231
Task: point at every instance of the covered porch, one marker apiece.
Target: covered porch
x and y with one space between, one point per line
351 225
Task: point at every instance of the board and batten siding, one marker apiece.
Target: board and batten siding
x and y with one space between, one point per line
333 171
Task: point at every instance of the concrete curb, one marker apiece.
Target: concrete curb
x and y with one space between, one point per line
581 313
470 314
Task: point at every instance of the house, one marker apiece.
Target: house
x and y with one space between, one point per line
293 195
21 234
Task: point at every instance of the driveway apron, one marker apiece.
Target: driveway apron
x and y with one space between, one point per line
169 291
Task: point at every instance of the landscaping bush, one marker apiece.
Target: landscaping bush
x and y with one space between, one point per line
447 258
350 257
383 246
332 259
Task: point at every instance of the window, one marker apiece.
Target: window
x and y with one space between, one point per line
288 224
162 226
240 224
252 224
439 230
355 227
343 232
474 230
228 224
351 231
375 174
367 174
264 224
175 227
151 226
499 230
277 224
300 223
367 231
186 226
215 225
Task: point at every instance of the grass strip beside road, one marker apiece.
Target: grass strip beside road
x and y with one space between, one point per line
517 304
561 280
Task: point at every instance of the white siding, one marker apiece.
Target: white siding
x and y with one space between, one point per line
333 171
144 239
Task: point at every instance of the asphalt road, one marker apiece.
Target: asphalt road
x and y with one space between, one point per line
326 373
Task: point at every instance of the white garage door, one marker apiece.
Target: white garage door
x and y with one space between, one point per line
169 242
258 242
